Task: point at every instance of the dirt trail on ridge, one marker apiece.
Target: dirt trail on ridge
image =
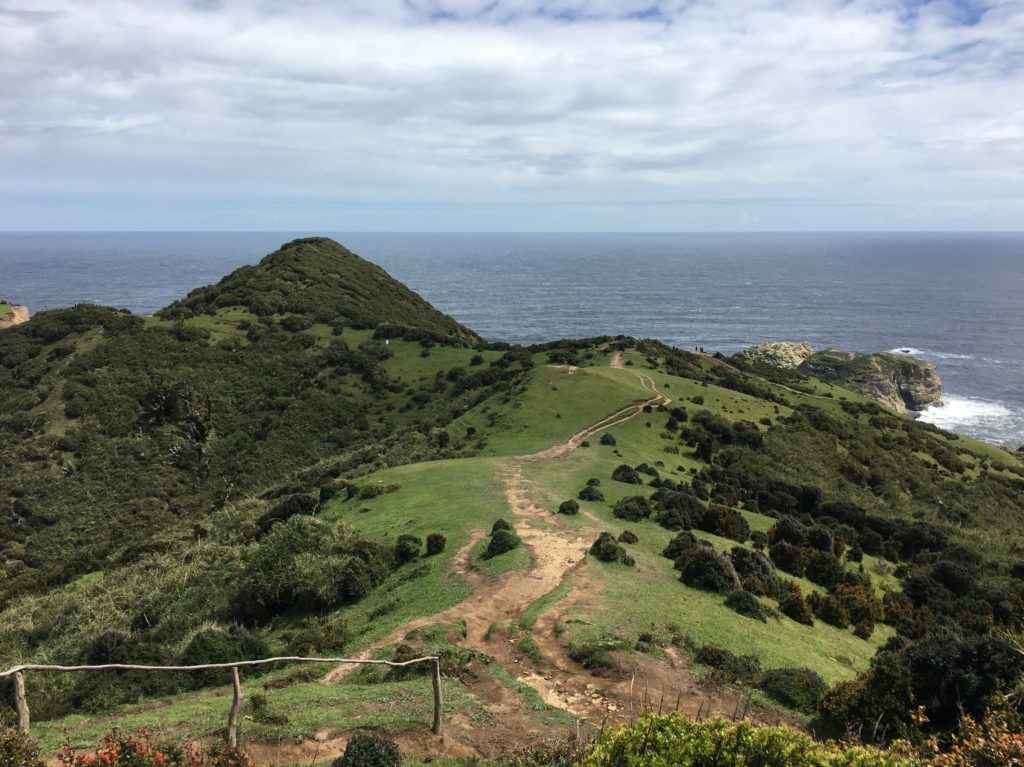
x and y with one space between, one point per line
559 552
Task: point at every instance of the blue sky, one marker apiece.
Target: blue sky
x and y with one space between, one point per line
511 115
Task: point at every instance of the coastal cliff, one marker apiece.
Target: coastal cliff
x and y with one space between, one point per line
15 315
904 384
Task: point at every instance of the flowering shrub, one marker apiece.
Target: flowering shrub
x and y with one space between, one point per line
118 749
16 750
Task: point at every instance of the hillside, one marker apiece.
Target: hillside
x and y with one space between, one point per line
322 281
769 535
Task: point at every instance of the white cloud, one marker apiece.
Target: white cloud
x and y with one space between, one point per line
865 113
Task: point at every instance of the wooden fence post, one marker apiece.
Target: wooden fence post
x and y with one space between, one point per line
21 703
236 705
437 696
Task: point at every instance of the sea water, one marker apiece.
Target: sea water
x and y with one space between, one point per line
956 300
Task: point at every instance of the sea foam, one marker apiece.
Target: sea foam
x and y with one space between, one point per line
954 413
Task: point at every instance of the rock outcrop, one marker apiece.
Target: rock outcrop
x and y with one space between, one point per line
779 354
902 383
16 316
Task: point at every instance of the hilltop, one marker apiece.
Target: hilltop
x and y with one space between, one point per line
12 314
680 530
319 279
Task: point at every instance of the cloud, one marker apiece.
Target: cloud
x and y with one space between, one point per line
130 114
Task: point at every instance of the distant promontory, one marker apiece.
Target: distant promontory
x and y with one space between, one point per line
905 384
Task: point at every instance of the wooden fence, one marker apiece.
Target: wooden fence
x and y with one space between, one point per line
21 701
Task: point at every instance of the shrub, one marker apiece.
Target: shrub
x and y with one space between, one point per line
633 508
829 609
606 549
706 569
745 603
590 493
628 536
864 630
797 688
683 542
607 438
435 544
17 750
725 522
593 482
502 540
731 667
592 655
569 507
673 739
217 645
627 474
369 751
755 570
500 524
793 604
407 548
679 510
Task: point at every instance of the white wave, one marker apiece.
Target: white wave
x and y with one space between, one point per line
954 413
913 351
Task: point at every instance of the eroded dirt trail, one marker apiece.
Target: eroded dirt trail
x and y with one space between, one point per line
559 552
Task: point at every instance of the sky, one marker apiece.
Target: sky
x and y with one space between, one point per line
511 115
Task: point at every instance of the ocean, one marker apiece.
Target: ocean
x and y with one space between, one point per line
956 300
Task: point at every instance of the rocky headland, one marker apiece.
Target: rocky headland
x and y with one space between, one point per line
905 384
16 315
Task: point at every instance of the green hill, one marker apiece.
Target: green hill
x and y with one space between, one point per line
325 282
218 483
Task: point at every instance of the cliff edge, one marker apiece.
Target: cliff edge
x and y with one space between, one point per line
14 315
904 384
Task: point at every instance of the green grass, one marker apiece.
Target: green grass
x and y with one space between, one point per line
5 308
557 403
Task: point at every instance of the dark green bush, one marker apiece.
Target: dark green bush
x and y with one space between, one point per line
217 645
706 569
633 508
593 482
628 536
756 572
435 544
407 548
730 667
606 549
369 751
726 522
746 604
607 438
627 474
793 604
500 524
502 540
798 688
590 493
681 543
569 507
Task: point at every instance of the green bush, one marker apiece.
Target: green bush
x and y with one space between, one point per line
746 604
793 604
704 568
673 740
729 666
435 544
592 655
369 751
683 542
407 548
500 524
590 493
606 549
569 507
633 508
607 438
797 688
628 536
627 474
502 540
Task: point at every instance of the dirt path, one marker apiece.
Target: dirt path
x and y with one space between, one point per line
559 552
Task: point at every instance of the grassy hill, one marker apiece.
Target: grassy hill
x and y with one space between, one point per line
246 495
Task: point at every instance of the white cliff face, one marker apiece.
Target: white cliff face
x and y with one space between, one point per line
16 316
779 354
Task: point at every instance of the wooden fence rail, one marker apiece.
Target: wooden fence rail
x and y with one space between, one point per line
21 701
